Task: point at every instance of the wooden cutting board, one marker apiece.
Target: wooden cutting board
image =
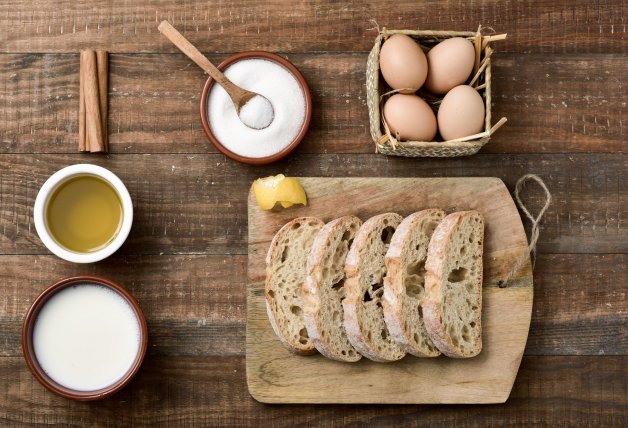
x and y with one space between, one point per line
274 375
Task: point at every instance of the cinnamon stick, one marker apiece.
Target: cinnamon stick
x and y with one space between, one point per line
102 60
82 143
93 99
93 122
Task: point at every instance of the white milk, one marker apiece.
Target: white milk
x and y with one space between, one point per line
86 337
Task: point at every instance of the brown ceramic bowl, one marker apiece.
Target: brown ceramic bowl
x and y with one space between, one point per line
306 93
29 352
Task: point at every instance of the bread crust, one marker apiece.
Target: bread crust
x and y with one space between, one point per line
313 292
354 305
436 284
272 304
402 324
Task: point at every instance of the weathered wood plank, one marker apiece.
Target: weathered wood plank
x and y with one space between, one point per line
579 304
197 203
562 104
537 26
189 391
196 306
554 104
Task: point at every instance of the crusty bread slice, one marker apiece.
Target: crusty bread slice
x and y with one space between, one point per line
324 291
365 270
285 274
452 308
404 284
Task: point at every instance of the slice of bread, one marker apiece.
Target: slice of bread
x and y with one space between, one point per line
365 270
285 274
404 284
452 308
324 291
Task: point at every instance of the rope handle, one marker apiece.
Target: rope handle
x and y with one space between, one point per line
534 232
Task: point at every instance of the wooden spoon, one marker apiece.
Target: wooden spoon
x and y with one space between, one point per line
257 115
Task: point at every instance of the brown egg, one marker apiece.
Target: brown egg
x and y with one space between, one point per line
410 118
461 113
449 63
403 63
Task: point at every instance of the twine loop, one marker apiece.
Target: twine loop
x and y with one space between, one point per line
534 232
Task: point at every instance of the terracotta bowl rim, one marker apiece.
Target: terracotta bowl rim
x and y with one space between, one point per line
29 353
306 121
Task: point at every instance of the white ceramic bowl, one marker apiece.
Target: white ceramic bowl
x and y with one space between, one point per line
41 202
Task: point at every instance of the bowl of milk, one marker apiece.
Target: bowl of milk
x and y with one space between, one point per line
84 338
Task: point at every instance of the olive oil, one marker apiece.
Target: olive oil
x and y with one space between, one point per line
84 214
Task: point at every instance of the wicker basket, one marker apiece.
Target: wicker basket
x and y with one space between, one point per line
377 91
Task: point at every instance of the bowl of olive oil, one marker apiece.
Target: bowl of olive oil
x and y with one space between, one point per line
83 213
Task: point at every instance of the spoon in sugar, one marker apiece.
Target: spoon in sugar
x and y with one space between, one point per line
254 110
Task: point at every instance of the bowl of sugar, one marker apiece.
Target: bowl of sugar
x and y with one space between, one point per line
278 80
84 338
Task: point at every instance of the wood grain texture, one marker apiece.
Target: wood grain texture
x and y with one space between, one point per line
205 314
195 305
197 203
193 391
571 103
559 78
580 303
275 375
62 26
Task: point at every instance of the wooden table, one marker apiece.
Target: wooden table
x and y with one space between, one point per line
560 78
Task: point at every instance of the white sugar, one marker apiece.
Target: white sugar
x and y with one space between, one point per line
280 87
257 113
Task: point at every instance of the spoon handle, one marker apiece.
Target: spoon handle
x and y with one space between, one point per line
188 48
